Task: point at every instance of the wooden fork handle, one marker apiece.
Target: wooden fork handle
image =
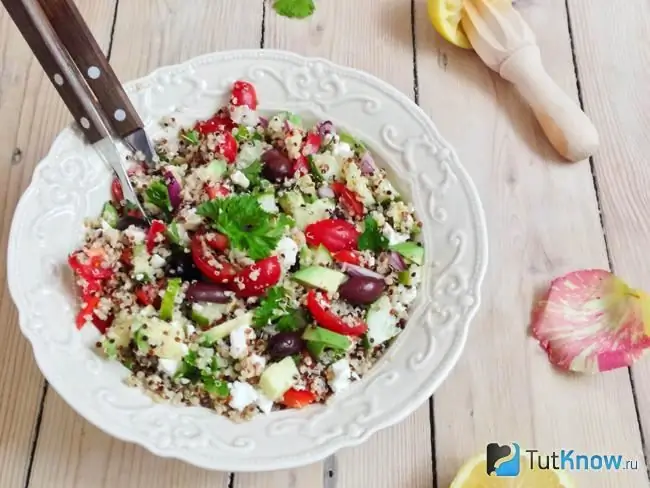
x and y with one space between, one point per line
567 127
72 30
53 66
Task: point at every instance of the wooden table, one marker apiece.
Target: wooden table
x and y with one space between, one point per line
545 217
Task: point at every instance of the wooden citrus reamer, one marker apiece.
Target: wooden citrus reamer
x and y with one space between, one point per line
506 44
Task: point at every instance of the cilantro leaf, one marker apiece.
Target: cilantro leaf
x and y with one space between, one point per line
292 322
192 137
158 195
188 368
248 227
372 238
298 9
214 386
252 172
271 306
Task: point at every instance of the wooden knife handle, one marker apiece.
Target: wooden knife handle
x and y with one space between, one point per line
567 127
75 35
30 30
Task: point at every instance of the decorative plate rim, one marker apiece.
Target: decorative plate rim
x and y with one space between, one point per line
395 415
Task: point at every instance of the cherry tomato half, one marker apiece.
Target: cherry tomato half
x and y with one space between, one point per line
90 288
216 241
335 234
312 143
300 165
253 280
216 191
89 264
213 267
227 147
117 194
243 93
350 257
157 228
319 307
86 314
148 295
219 123
297 398
348 198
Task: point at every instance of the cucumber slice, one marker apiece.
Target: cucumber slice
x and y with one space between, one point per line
291 201
267 202
222 330
321 338
322 256
320 277
204 313
411 251
110 215
278 378
142 269
169 298
313 212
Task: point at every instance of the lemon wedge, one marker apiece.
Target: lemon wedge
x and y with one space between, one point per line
445 16
473 474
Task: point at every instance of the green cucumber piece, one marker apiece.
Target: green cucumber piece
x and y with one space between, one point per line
404 278
169 298
278 378
328 338
411 251
220 331
110 215
320 277
204 313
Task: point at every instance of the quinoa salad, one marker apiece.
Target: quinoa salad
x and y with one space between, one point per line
277 266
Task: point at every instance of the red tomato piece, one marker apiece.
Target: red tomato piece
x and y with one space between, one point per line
89 264
243 93
219 123
86 314
90 288
127 256
148 295
350 257
216 191
300 165
348 198
253 280
216 241
117 195
335 234
298 398
319 307
312 143
215 268
227 147
157 228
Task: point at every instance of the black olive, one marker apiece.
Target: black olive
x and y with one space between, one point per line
181 265
277 166
207 292
360 290
285 344
128 220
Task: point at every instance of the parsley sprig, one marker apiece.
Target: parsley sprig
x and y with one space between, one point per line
158 195
274 309
372 238
248 227
298 9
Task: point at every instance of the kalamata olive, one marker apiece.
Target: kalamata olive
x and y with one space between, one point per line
207 292
361 290
285 344
128 220
181 265
277 166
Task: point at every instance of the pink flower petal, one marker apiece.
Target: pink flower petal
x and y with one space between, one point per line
591 321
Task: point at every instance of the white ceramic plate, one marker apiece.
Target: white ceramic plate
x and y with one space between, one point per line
72 183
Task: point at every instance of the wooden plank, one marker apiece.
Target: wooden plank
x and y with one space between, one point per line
375 36
614 70
70 452
543 221
30 115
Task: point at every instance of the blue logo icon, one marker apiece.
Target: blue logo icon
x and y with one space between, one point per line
504 461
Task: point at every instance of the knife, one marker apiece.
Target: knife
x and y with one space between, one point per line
81 74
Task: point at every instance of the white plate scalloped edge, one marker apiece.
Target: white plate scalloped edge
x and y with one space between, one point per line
71 183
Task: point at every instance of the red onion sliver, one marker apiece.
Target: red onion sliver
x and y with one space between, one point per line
397 261
367 164
173 187
354 270
325 127
326 192
264 122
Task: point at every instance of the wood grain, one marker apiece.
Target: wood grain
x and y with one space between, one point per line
614 72
543 221
375 36
70 452
31 115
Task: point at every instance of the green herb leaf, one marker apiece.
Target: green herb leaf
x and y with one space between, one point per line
188 368
293 321
158 195
252 172
298 9
248 227
214 386
192 137
372 238
271 306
